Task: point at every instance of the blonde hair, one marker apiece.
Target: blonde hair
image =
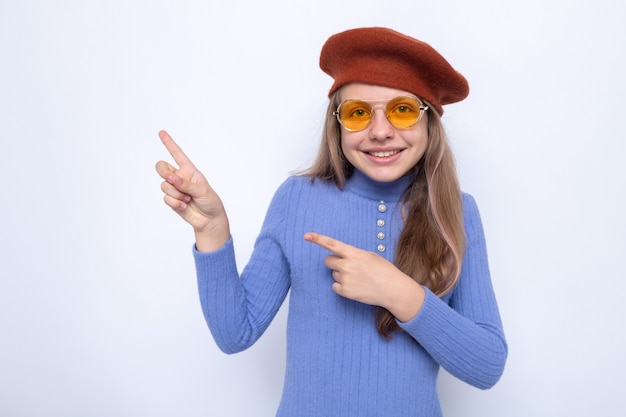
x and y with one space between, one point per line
431 246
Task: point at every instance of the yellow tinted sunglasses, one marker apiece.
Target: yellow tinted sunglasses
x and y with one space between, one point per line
402 112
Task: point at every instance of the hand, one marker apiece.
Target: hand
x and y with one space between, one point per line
369 278
189 194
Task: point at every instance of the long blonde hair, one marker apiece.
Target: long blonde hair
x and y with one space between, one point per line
431 246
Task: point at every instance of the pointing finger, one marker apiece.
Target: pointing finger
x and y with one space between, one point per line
174 150
335 246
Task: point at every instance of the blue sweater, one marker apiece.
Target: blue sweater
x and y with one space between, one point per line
337 363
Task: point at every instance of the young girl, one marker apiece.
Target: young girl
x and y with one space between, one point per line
383 255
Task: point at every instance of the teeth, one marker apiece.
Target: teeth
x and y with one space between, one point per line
383 154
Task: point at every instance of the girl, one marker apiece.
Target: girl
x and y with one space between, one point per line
383 255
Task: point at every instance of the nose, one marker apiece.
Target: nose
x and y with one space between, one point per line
380 127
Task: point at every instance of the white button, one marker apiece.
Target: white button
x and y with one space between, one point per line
382 207
380 222
380 235
381 248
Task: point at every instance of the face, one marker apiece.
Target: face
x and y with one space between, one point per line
381 151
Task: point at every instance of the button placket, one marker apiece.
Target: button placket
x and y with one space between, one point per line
380 223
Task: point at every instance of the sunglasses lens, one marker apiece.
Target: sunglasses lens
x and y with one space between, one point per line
354 114
404 112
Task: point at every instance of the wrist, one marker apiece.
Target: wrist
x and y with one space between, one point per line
212 236
406 300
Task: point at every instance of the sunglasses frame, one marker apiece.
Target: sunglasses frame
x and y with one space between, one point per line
422 108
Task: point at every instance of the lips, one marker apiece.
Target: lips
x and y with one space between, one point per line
384 154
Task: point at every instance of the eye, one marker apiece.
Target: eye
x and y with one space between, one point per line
355 109
404 107
403 112
359 113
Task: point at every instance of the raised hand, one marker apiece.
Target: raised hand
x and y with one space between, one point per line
189 194
369 278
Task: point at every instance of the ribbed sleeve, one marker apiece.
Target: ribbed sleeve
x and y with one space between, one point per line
239 309
465 336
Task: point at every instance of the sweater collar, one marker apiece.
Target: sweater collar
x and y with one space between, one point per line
364 186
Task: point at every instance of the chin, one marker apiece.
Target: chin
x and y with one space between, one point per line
384 177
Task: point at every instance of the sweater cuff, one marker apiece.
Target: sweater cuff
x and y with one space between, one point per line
219 259
425 318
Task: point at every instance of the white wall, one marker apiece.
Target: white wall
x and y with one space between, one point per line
98 307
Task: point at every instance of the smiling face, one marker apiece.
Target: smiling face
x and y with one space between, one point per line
381 151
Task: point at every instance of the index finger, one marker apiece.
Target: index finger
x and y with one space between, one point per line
174 150
335 246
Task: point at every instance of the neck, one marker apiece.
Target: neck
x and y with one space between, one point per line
363 185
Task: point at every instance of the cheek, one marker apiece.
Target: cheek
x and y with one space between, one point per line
349 147
419 144
425 141
421 139
347 142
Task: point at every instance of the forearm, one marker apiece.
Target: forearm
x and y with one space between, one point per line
238 308
472 349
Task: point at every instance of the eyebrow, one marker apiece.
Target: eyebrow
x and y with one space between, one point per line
383 99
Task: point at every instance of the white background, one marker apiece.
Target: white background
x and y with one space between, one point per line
99 314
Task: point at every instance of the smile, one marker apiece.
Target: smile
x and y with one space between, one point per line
384 154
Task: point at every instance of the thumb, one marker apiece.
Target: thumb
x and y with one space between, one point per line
165 170
170 174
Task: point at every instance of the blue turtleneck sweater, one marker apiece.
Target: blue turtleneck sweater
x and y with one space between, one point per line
337 363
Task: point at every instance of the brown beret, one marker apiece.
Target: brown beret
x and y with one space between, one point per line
382 56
